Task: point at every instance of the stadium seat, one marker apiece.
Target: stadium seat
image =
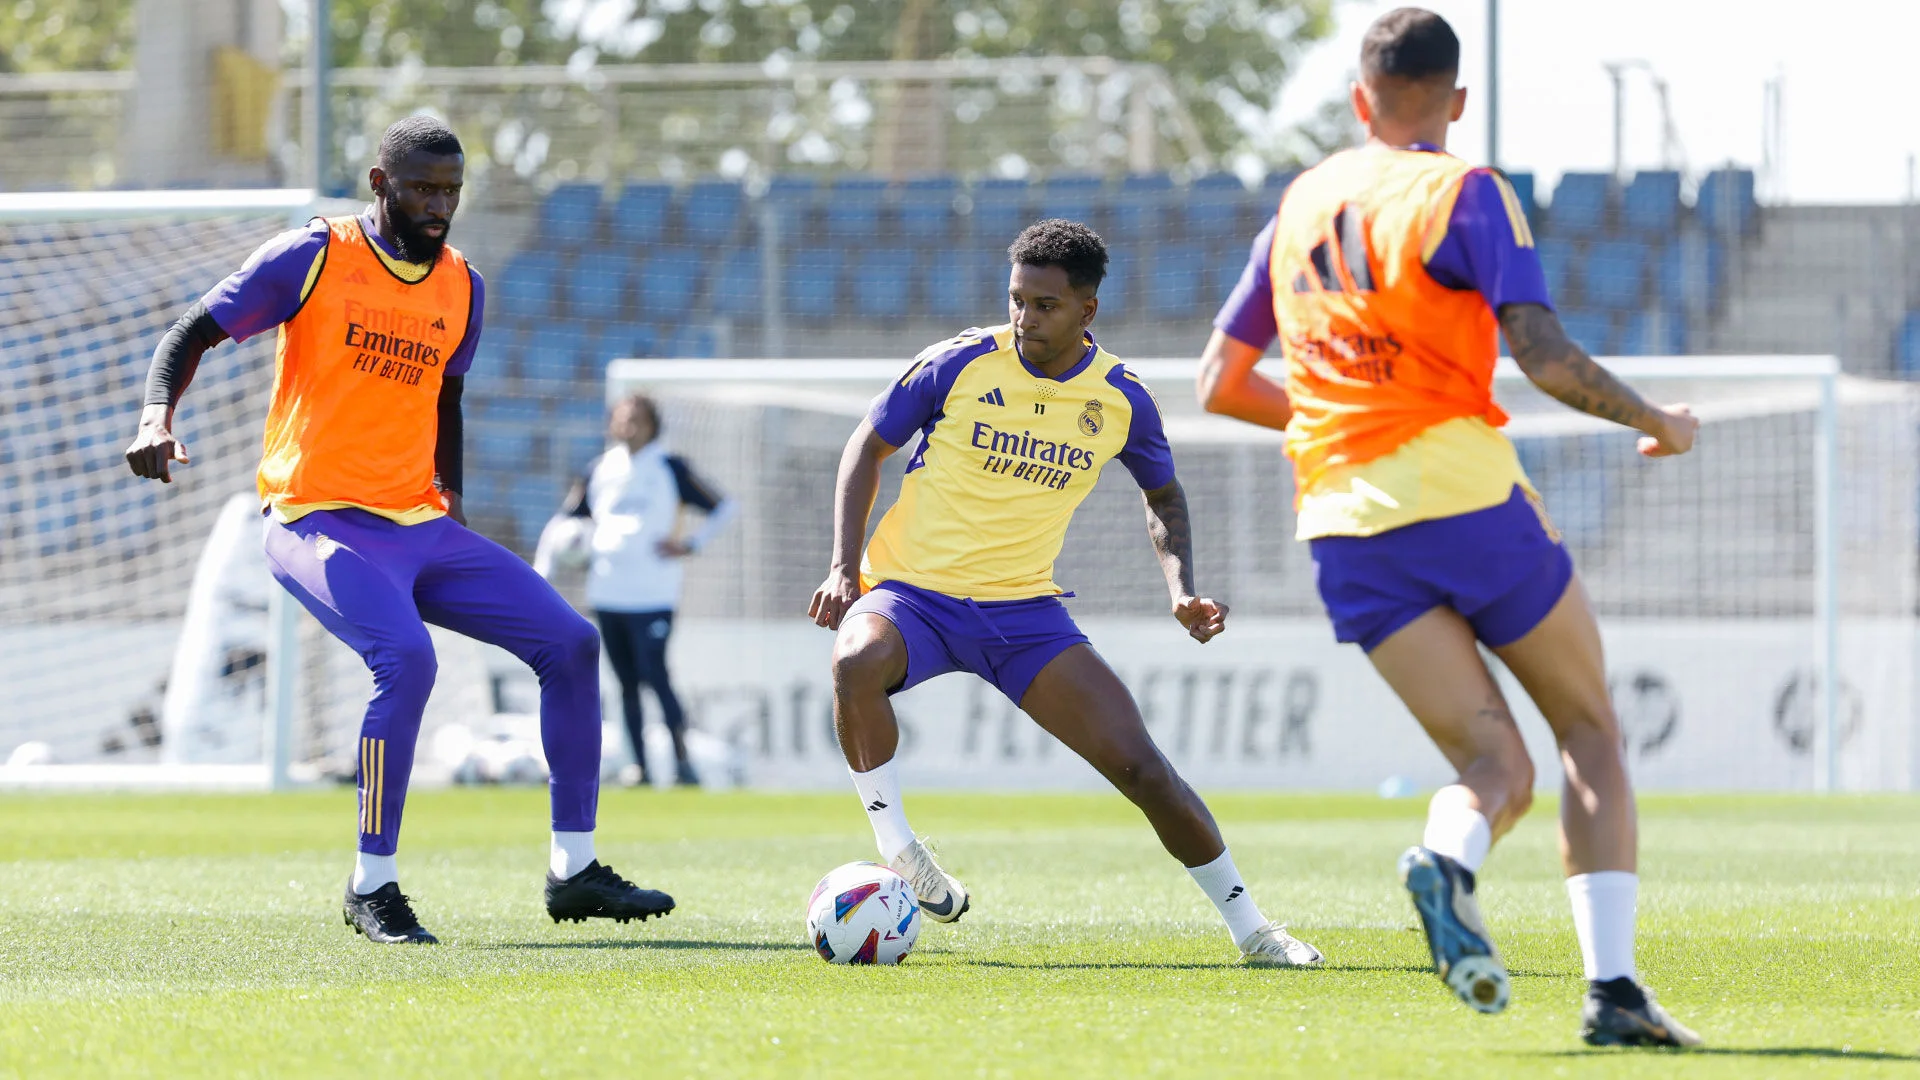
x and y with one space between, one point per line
1217 205
501 433
1557 263
1147 210
1725 204
599 285
556 352
811 277
1574 477
570 216
1655 332
879 282
669 280
1615 274
1687 274
926 209
640 215
712 212
999 211
965 288
532 500
693 341
527 285
853 208
623 340
1523 190
1591 330
1906 347
736 285
1580 204
1651 203
791 200
1172 280
1073 197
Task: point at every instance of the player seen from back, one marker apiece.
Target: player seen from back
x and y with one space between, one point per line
1014 425
1387 276
360 486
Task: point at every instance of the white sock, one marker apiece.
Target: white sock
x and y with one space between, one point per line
571 853
1457 830
372 871
1221 882
1603 912
879 791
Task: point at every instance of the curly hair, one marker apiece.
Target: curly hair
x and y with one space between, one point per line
1068 245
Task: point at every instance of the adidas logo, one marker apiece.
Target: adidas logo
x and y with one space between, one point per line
876 806
1234 894
992 397
439 324
356 278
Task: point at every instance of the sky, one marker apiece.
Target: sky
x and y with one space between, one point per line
1845 66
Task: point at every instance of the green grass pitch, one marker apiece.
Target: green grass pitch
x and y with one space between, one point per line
201 935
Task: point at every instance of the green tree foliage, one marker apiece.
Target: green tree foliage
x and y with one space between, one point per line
65 35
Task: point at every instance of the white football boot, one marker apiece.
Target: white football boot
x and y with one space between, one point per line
1272 946
942 897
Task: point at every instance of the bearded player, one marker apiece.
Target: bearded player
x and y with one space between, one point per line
360 487
1014 425
1388 274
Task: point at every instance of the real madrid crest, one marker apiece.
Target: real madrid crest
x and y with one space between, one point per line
1090 419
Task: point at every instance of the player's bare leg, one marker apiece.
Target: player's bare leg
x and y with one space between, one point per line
1433 663
1079 700
869 660
1563 668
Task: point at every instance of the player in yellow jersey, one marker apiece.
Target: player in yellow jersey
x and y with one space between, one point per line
1387 275
1013 426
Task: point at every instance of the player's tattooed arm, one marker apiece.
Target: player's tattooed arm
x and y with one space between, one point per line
1564 371
1170 527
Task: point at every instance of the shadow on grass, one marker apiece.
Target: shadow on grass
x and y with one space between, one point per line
1222 965
1734 1051
643 943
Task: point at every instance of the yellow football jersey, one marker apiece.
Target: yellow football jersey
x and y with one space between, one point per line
1005 456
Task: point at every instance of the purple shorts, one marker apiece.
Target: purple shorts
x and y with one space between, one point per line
1005 642
1502 568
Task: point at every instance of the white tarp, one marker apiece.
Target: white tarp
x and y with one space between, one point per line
1275 703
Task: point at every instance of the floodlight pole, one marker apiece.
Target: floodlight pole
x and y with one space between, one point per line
1493 83
319 119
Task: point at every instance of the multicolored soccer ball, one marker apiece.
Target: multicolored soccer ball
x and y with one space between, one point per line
863 913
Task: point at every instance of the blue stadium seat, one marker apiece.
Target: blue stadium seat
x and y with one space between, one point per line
1591 330
1217 205
532 500
556 352
496 358
1073 197
791 200
999 211
1655 332
1651 203
965 287
1523 190
1616 273
623 340
712 212
570 216
1557 263
501 433
599 285
527 285
736 285
1119 293
879 281
1147 209
926 208
1580 204
1574 476
811 277
640 215
1172 280
1906 347
1725 204
1688 274
669 280
853 208
693 341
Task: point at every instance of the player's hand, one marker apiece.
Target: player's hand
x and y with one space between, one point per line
1678 426
832 599
673 548
154 446
1203 618
454 510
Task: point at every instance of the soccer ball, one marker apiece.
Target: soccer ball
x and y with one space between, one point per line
863 913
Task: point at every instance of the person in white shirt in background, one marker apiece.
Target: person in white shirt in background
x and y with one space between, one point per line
625 519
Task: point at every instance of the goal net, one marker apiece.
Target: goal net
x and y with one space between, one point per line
1728 581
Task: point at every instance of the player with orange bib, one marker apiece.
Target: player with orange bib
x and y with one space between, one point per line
360 488
1387 275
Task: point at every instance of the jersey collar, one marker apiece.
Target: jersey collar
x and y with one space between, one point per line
1067 375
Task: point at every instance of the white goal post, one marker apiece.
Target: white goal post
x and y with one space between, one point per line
1756 533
